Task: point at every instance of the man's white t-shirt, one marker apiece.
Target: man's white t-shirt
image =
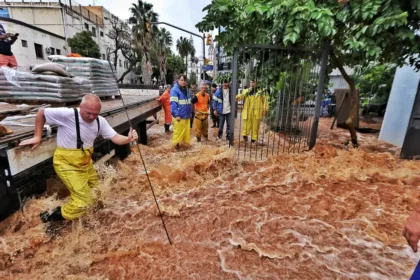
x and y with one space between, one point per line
66 134
226 103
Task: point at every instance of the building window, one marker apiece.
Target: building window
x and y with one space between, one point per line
93 31
39 51
86 26
102 34
4 12
103 56
52 51
24 43
58 52
120 63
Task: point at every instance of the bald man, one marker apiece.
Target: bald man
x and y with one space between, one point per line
77 131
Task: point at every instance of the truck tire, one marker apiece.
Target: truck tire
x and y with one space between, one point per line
8 205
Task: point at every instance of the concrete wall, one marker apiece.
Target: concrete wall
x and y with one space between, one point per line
48 18
400 106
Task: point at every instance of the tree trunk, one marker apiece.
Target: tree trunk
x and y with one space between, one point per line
130 68
354 101
186 65
120 79
115 59
146 71
163 69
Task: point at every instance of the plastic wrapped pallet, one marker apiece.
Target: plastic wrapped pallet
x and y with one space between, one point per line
98 72
16 85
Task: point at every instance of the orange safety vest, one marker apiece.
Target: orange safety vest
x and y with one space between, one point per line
202 104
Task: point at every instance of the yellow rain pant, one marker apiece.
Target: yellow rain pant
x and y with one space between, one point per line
201 125
251 125
182 131
74 167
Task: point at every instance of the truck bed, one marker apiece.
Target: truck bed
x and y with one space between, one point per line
109 107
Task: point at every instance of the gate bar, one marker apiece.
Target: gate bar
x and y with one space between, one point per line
260 46
233 97
320 92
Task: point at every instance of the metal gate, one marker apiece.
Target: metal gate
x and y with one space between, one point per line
278 93
411 147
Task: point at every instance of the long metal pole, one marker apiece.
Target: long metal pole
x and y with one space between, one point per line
233 98
142 160
320 93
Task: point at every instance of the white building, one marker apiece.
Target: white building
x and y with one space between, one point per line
44 28
337 80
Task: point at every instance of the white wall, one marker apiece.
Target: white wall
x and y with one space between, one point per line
49 16
26 56
400 106
337 82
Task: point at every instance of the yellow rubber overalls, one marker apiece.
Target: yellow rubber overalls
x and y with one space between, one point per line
75 168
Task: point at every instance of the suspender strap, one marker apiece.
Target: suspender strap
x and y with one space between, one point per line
79 139
99 126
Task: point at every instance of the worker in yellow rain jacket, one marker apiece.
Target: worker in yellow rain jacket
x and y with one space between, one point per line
201 103
255 108
77 131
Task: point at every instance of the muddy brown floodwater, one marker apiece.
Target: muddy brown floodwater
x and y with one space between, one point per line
330 213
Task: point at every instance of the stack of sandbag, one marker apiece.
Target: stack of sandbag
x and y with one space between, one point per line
98 72
48 86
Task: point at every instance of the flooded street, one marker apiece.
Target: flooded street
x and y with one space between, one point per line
330 213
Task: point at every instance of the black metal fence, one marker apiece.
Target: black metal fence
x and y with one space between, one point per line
138 86
278 92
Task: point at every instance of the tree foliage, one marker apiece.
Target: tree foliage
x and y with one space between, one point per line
192 78
83 44
361 32
120 34
185 47
163 44
375 83
141 14
175 66
222 77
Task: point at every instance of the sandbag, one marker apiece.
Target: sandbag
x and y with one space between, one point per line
51 67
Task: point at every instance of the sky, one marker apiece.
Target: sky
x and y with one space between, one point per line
182 13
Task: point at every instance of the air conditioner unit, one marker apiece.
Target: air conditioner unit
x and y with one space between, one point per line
48 50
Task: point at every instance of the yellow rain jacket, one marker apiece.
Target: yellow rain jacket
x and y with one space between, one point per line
75 169
253 112
254 106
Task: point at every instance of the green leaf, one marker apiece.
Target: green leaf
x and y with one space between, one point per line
250 9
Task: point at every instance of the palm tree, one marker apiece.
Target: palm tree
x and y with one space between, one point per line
164 42
142 14
185 48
